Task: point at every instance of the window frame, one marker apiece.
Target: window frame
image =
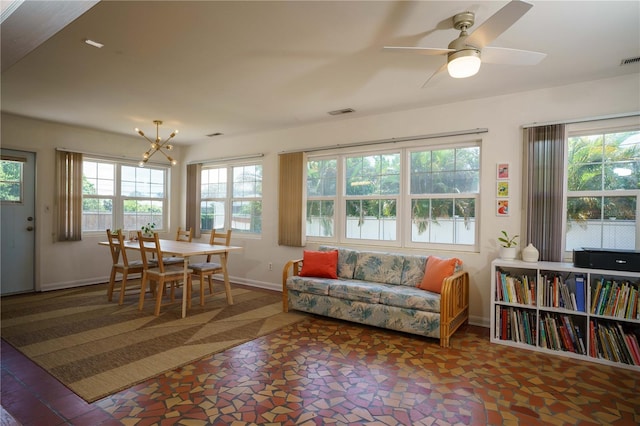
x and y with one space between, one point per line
403 204
592 128
229 198
19 182
118 200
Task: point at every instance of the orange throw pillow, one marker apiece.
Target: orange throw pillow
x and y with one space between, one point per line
436 271
321 264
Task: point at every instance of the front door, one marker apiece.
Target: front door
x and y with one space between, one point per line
17 218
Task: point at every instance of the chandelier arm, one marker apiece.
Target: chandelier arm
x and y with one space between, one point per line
165 141
165 154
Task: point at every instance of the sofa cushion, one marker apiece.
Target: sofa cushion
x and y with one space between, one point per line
436 271
410 298
355 290
413 270
346 261
309 284
321 264
379 267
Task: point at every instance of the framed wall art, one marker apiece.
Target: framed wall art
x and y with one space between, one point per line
502 207
503 171
502 188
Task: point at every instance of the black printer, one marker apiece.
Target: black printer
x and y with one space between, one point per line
610 259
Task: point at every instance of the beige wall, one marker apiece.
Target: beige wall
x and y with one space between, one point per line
85 262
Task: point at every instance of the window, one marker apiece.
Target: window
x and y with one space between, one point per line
603 188
372 191
237 206
444 186
11 172
117 195
321 192
411 197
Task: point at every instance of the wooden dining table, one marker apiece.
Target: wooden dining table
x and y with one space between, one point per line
186 250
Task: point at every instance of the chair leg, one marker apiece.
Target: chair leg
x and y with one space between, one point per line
202 290
123 287
159 294
189 289
112 282
143 291
210 284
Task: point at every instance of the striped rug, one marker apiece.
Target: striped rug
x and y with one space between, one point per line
97 348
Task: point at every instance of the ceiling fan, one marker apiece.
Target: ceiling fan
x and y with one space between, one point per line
466 53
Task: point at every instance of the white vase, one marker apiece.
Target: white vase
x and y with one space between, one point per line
508 253
530 253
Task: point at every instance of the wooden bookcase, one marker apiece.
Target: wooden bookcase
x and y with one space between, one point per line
542 306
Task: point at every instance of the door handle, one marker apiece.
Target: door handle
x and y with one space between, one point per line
29 228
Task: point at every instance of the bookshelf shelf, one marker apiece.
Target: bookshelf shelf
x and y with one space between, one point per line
556 308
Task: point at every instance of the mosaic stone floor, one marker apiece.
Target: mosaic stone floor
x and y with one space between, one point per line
322 371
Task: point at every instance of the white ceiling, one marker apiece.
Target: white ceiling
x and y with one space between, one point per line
238 67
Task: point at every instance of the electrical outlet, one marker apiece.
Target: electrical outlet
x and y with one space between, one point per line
270 266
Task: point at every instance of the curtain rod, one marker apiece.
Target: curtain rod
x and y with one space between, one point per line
582 120
223 159
111 156
392 140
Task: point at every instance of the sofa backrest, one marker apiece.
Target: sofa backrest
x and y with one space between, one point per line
413 270
347 259
381 267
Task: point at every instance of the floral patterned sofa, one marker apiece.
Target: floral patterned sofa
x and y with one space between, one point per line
380 289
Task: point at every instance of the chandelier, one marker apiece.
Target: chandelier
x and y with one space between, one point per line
157 145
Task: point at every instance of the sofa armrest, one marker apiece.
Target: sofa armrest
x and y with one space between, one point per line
291 268
454 305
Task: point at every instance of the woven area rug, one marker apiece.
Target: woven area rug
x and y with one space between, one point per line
97 348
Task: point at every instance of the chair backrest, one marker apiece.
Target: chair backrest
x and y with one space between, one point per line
222 238
117 248
184 235
150 249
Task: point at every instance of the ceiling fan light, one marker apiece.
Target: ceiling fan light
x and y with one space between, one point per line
464 63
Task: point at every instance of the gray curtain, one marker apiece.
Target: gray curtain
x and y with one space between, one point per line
193 198
544 189
69 196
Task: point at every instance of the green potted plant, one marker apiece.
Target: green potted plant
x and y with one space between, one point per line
508 246
147 230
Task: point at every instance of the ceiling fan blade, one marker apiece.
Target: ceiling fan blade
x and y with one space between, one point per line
418 50
502 55
438 71
498 23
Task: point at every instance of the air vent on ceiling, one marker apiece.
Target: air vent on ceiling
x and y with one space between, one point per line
215 134
341 111
630 61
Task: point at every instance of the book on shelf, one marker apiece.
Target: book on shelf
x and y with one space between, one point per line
580 293
616 299
563 333
612 342
559 293
517 325
514 288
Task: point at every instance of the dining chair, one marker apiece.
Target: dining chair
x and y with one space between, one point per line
124 266
181 235
208 268
160 274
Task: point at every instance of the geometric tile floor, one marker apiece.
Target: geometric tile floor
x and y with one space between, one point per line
327 372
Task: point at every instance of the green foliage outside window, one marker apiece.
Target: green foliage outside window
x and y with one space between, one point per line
603 162
10 181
